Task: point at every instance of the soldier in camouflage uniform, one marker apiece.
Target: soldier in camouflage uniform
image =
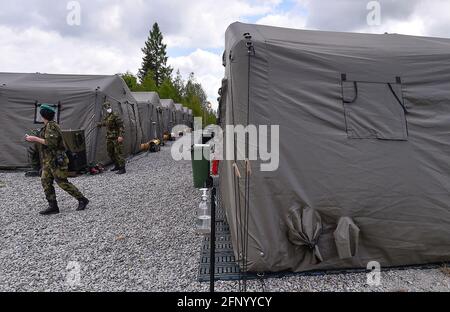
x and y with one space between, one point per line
114 138
55 162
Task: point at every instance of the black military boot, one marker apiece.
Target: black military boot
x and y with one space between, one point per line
121 171
52 209
115 169
82 204
32 174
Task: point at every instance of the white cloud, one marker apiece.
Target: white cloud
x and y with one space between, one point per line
207 67
287 19
110 20
186 24
35 50
34 35
414 26
412 17
203 22
434 17
429 18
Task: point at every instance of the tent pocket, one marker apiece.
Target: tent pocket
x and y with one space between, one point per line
347 238
374 110
304 229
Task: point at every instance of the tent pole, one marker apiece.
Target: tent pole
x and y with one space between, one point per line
212 241
92 154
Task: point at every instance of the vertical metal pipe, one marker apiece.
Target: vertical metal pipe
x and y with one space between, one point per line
212 246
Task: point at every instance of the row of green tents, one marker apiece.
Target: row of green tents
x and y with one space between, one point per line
160 116
79 101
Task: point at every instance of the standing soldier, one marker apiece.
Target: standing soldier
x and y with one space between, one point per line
114 138
55 164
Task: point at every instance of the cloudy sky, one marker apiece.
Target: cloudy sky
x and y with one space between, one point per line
36 37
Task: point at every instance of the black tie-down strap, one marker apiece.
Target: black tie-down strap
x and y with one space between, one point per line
397 98
355 85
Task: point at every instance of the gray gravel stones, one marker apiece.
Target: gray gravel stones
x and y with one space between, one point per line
137 235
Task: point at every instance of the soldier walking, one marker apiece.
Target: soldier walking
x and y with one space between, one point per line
55 163
114 138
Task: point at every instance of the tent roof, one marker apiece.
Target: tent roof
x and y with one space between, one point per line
58 81
168 103
147 97
308 40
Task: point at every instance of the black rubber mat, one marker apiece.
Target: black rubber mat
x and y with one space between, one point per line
220 215
225 266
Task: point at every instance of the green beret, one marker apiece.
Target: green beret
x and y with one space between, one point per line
48 107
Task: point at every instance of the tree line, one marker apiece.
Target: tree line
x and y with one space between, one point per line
156 76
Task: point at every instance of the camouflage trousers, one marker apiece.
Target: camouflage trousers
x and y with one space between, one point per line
115 152
58 175
33 157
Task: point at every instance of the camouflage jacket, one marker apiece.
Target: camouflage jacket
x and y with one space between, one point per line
54 147
114 126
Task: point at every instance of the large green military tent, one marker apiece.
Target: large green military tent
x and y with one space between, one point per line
168 107
178 114
364 149
79 100
150 114
191 118
186 117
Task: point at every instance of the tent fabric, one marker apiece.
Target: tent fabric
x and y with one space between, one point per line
364 124
79 98
185 114
179 114
186 118
168 107
150 113
190 118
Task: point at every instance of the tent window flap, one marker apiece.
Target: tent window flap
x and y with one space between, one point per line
374 110
37 116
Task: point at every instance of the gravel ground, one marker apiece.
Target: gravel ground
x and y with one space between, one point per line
137 235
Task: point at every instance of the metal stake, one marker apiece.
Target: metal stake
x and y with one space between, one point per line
212 246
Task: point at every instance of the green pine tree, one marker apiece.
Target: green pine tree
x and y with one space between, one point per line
148 83
178 83
195 97
167 90
130 80
155 57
